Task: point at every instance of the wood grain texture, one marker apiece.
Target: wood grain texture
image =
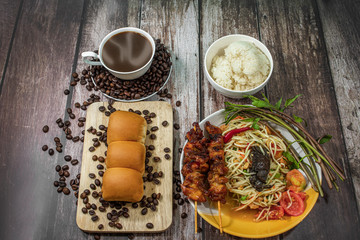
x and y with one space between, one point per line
293 29
175 23
9 13
31 97
218 19
341 32
162 217
98 19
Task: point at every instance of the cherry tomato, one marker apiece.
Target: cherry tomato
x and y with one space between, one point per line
296 208
295 181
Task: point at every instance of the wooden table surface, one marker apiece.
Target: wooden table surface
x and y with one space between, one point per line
316 53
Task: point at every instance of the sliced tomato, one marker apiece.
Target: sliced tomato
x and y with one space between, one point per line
276 212
293 207
302 195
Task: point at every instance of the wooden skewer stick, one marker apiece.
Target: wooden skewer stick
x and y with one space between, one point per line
220 221
195 216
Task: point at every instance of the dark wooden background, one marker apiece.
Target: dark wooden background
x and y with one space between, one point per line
315 46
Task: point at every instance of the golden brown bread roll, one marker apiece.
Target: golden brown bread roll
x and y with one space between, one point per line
126 126
126 154
122 184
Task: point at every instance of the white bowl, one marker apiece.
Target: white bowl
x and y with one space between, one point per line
217 48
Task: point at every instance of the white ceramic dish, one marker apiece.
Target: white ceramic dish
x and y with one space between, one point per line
217 48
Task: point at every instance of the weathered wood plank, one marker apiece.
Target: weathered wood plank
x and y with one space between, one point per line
292 29
175 23
9 12
99 19
32 96
218 19
341 32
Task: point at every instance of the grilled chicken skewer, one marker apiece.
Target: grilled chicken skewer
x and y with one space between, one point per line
218 170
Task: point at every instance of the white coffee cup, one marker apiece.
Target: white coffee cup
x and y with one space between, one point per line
122 75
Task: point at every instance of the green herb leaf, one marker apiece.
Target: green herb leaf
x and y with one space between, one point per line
245 171
292 160
243 198
298 119
278 104
277 175
290 101
255 125
325 139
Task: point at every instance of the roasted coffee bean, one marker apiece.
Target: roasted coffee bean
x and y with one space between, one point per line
101 159
151 147
56 139
58 168
100 226
156 202
92 175
149 169
178 189
74 75
91 212
100 166
59 120
158 196
181 201
156 159
156 181
94 218
118 225
145 112
178 103
102 209
69 136
60 124
155 128
58 149
153 208
183 215
82 119
63 179
167 150
152 115
92 186
102 127
152 136
148 154
114 218
109 216
82 139
59 190
95 194
107 113
76 139
93 206
165 123
131 236
83 107
144 211
72 116
66 173
67 158
45 148
87 205
155 174
66 191
161 174
91 149
94 157
97 182
134 205
68 110
56 184
74 162
101 173
167 156
177 196
84 210
150 225
111 224
65 167
45 129
102 109
126 215
77 105
87 192
51 151
176 126
96 144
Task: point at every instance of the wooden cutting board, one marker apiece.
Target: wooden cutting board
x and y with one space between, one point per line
162 217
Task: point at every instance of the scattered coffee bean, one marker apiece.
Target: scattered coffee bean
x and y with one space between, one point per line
59 120
94 218
181 201
118 225
178 103
165 123
66 92
91 149
176 126
156 181
45 129
97 182
131 236
101 173
156 159
66 191
67 158
92 186
77 105
51 151
45 148
167 150
167 156
152 136
155 128
151 147
101 159
92 175
183 215
84 210
74 162
91 212
100 227
150 225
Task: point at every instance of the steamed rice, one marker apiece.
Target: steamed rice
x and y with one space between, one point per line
242 67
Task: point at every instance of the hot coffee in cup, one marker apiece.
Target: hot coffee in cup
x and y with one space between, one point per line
126 52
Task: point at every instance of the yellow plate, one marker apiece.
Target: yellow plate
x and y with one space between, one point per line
242 223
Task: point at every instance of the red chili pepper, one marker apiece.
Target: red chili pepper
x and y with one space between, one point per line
230 134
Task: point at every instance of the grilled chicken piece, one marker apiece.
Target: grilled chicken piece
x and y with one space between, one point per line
194 186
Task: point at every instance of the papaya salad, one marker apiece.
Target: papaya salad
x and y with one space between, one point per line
260 176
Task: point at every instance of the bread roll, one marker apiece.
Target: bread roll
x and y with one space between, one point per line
122 184
126 126
126 154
